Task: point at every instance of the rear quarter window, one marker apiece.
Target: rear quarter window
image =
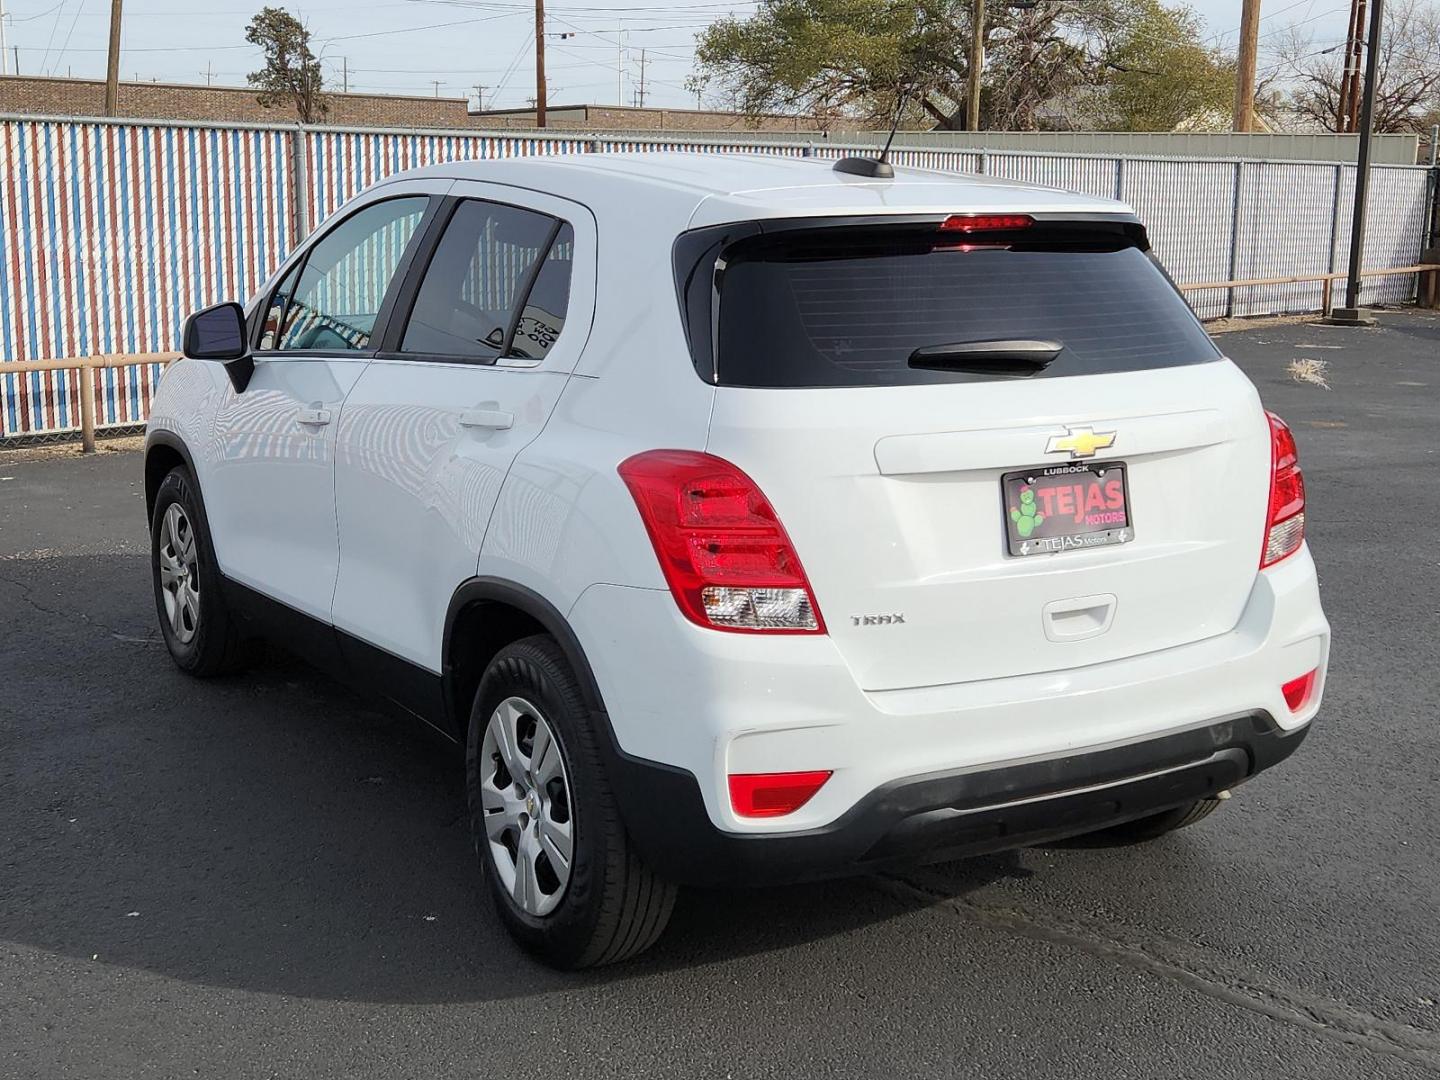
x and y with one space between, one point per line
849 305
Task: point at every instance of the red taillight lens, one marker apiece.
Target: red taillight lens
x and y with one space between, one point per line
1285 522
774 794
1297 691
724 553
968 223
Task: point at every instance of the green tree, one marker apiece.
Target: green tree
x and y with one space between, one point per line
1159 74
291 75
1047 64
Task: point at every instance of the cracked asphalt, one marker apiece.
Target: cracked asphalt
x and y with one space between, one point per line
267 876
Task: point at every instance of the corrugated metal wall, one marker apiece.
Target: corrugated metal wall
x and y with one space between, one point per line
111 232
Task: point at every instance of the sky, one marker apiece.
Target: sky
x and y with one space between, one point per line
410 46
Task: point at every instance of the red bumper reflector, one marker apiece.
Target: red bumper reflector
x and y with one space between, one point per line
1297 691
774 794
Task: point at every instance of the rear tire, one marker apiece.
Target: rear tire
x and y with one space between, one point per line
1156 825
199 630
538 795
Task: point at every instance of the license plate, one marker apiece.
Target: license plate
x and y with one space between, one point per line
1054 508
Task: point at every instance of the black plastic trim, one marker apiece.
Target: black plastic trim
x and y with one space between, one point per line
947 815
487 588
171 441
313 640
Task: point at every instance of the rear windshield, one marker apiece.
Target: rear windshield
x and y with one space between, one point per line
850 306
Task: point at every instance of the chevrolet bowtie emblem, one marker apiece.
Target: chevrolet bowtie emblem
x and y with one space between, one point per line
1080 442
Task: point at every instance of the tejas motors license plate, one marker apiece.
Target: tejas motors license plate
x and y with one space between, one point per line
1054 508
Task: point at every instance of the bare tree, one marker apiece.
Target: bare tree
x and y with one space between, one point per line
1407 97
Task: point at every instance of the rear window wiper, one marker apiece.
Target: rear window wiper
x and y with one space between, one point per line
1007 356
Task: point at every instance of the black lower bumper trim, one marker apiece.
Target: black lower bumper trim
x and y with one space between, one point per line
948 815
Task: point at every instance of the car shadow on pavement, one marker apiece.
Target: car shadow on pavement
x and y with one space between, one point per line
274 831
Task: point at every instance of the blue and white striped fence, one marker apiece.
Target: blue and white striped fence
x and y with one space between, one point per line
110 232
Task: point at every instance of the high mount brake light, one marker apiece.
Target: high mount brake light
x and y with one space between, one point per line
969 223
724 553
1285 518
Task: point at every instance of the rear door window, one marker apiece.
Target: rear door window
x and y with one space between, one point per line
497 285
850 306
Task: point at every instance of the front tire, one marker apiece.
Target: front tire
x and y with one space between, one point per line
558 863
199 629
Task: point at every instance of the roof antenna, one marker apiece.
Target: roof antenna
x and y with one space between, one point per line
877 168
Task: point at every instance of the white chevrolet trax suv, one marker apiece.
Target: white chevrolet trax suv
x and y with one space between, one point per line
746 520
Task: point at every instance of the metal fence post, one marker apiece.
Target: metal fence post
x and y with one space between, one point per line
1327 287
1234 243
983 166
87 406
301 182
1120 179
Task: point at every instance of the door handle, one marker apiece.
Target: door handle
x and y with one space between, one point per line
494 419
1082 617
313 415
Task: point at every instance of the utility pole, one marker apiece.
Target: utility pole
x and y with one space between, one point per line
642 78
1357 48
977 61
1350 69
344 74
436 83
1350 313
539 63
1244 119
209 75
619 65
112 67
4 52
480 97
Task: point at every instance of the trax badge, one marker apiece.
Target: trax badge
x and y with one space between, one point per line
1080 442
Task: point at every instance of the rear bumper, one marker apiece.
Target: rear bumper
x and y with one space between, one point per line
946 815
712 704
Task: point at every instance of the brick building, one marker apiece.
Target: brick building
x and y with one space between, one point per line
37 95
629 118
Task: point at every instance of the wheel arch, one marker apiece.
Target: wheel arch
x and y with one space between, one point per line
486 614
163 451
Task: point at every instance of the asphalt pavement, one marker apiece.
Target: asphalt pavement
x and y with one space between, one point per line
269 876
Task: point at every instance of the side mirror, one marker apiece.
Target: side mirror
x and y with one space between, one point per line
218 333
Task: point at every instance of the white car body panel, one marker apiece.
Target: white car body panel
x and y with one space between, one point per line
270 494
414 489
904 482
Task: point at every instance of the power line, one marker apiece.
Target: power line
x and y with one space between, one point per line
59 13
417 29
69 34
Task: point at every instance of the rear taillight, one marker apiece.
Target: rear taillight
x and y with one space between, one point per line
724 553
1285 522
773 794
